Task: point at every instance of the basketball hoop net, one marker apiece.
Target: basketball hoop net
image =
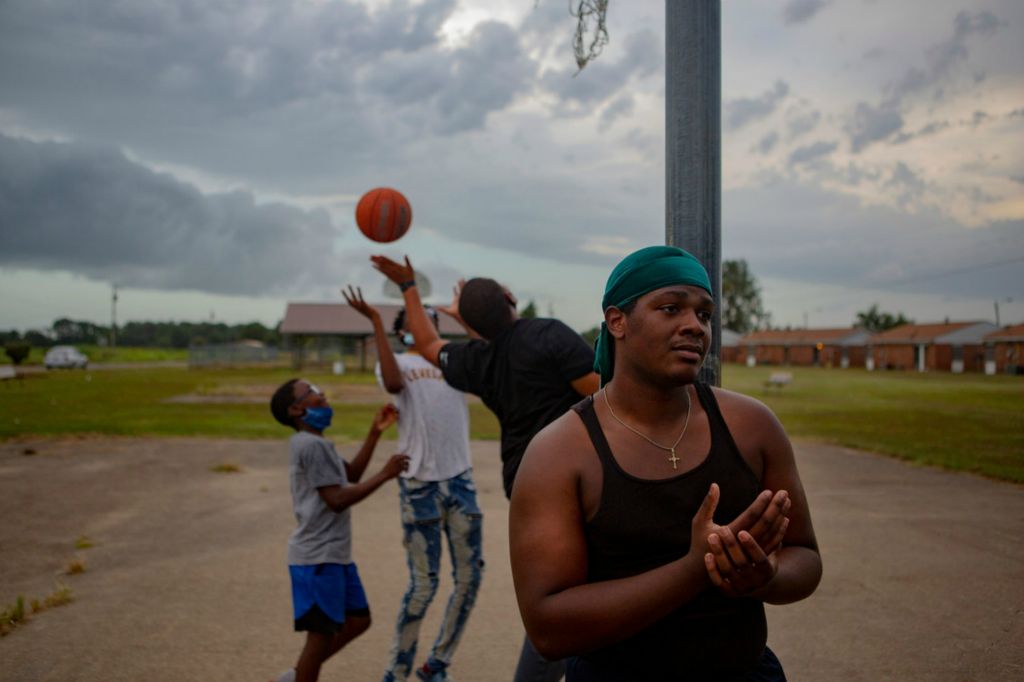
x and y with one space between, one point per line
590 21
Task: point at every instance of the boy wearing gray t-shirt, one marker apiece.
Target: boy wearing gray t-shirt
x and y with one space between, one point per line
327 595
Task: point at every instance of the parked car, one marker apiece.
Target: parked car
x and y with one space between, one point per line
61 357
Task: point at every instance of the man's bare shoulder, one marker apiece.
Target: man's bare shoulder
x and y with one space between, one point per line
745 409
559 445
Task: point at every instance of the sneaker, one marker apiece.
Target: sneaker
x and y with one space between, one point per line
430 675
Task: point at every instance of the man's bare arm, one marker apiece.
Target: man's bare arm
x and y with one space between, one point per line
389 372
795 567
341 497
588 384
385 417
428 342
565 615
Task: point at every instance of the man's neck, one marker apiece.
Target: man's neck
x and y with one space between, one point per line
646 403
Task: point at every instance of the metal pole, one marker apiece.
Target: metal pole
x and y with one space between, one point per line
693 154
113 317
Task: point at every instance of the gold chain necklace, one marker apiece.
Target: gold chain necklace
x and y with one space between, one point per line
672 457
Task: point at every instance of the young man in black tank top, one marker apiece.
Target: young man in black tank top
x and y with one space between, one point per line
648 528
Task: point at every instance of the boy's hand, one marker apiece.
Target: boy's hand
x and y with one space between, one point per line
396 272
386 416
354 297
396 465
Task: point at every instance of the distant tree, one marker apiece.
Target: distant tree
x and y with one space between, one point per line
530 311
742 310
17 351
78 331
590 335
38 339
874 320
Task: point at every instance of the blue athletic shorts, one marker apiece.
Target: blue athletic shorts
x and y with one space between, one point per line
324 594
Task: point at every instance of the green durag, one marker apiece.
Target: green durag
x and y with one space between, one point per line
639 273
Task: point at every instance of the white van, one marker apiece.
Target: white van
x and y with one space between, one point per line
64 357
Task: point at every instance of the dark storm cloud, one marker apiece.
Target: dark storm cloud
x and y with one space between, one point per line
870 123
907 184
812 152
801 123
275 93
817 248
800 11
603 80
91 211
453 92
741 111
768 142
622 106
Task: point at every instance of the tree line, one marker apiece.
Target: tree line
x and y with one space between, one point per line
742 312
66 331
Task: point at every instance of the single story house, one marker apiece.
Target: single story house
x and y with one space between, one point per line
730 347
322 332
843 347
949 346
1004 350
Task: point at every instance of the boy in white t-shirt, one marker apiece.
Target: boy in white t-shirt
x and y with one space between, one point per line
437 496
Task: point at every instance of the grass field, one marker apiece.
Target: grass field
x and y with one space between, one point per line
118 354
960 422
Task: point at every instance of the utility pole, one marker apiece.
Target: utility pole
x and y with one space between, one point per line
113 317
693 145
1008 299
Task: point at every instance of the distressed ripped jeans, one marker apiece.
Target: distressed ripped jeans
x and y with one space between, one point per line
430 508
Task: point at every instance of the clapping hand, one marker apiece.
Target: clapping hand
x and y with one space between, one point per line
741 560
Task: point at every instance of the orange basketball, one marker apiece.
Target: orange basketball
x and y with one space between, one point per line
383 214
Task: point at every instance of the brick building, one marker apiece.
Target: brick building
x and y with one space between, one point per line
730 346
948 347
844 347
1004 350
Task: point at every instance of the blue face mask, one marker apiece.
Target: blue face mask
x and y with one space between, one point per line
408 339
318 418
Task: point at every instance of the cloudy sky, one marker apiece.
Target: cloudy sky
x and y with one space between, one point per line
206 156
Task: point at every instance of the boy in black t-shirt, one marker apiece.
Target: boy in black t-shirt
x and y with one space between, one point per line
527 371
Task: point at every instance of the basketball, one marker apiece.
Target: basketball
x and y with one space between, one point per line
383 214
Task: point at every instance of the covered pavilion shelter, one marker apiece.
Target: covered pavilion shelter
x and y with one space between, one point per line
321 332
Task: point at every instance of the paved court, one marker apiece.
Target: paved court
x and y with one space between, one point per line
923 569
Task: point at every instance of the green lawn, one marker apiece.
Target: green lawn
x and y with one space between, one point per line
961 422
169 402
118 354
965 422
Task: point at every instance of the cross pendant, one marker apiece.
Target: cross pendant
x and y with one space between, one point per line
672 458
